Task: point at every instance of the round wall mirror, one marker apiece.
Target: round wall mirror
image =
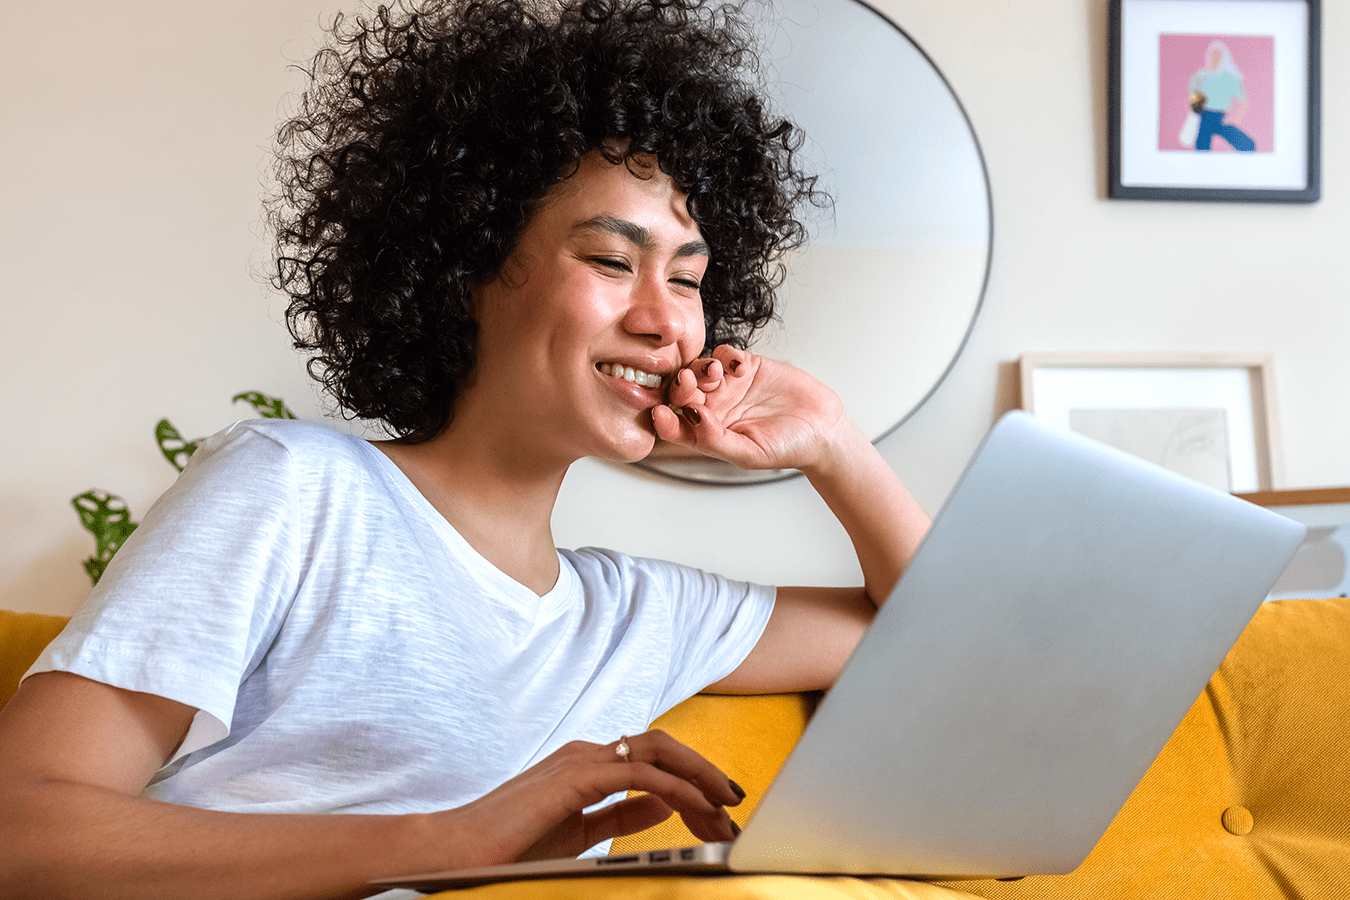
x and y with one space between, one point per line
879 304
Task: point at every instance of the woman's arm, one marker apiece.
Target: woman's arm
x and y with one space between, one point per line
759 413
75 755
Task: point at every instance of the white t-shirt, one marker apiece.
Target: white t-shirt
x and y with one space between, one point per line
348 651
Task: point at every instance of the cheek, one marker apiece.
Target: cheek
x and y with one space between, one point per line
697 334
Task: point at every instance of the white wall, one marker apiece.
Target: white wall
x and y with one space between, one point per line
131 163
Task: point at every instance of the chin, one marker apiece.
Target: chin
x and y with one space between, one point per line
637 454
631 448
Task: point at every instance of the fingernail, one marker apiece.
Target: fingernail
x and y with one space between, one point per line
734 366
736 789
691 415
707 367
735 829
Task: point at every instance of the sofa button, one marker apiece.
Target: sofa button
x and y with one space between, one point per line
1237 820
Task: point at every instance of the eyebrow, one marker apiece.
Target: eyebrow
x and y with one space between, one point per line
638 235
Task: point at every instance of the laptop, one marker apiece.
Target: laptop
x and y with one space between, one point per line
1067 607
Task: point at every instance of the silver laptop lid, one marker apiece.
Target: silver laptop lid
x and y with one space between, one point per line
1066 609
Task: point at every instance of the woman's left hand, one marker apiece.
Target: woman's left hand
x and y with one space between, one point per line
750 411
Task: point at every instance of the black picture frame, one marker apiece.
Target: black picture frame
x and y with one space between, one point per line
1140 163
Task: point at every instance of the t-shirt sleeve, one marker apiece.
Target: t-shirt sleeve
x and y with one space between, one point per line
192 600
714 624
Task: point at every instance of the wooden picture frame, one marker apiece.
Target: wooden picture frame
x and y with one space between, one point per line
1210 416
1321 567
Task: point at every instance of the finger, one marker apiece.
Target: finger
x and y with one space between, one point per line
698 427
685 388
634 814
680 424
573 784
546 801
735 362
719 827
659 749
669 425
614 776
567 838
707 373
628 816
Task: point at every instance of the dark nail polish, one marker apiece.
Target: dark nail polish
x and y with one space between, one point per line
691 416
735 829
736 789
734 367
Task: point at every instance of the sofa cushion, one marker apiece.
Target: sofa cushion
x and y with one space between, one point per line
22 638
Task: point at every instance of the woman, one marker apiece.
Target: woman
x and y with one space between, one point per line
1216 93
517 237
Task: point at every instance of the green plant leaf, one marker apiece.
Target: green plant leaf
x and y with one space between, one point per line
107 518
267 407
171 444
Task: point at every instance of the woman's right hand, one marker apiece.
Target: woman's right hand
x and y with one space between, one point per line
539 813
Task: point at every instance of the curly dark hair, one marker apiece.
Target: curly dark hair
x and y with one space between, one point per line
430 132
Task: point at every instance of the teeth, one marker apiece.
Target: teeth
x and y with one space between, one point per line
646 379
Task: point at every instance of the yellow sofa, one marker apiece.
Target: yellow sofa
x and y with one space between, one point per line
1249 799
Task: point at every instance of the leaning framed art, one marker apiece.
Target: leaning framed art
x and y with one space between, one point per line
1208 416
1214 100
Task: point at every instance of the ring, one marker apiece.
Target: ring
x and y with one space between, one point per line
621 750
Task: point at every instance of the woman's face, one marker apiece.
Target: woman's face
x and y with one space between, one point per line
596 309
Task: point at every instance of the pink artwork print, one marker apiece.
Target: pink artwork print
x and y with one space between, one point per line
1216 93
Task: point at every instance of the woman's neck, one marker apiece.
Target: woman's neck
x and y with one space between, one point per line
500 500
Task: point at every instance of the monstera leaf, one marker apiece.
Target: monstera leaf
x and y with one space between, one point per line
267 407
171 444
107 518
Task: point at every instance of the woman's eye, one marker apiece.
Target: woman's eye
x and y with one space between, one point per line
688 283
610 262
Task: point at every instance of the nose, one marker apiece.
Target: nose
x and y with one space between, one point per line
660 314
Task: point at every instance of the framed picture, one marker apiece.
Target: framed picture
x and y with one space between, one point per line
1214 100
1321 567
1210 417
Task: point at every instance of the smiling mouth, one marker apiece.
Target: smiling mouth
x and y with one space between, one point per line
637 376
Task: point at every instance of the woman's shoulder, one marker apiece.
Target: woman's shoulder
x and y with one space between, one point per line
616 568
299 444
600 559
